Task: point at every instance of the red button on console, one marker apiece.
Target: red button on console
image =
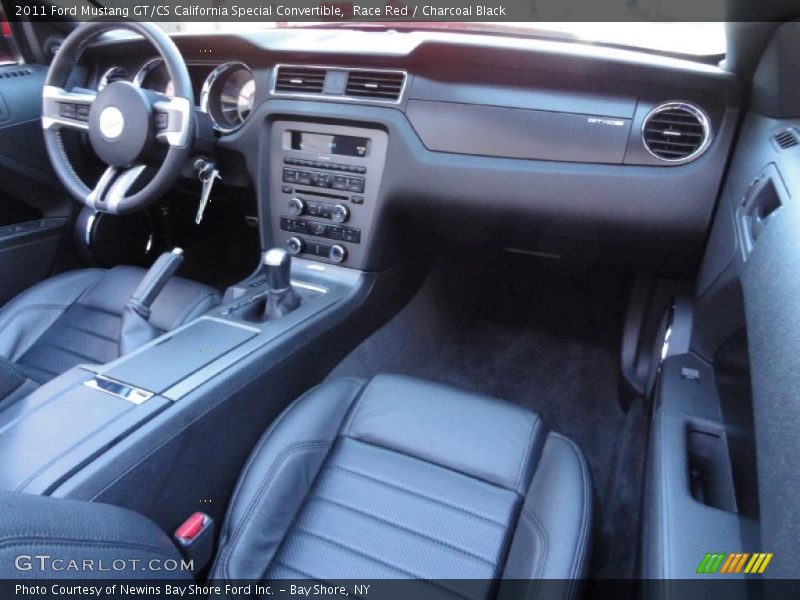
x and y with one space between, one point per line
191 527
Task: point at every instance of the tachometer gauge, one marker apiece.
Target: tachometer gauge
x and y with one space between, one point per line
245 99
228 95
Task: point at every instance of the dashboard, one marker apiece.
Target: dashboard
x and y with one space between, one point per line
529 145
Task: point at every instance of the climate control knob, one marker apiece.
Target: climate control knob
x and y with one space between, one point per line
296 207
337 253
295 245
340 213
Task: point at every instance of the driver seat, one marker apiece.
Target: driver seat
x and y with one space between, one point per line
76 318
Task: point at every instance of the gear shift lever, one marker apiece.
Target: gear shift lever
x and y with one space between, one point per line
281 298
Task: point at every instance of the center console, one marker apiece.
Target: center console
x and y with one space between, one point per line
69 422
324 182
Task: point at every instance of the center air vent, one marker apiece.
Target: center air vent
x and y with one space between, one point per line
676 132
786 139
378 85
305 80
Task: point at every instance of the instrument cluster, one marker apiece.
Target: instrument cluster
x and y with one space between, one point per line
226 92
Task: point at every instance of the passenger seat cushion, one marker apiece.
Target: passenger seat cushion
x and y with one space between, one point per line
397 478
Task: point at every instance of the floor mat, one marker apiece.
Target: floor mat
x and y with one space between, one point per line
508 326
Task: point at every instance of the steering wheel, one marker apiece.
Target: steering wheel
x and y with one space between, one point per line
123 121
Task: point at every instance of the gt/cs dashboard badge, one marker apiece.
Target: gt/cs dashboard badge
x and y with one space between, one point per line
600 121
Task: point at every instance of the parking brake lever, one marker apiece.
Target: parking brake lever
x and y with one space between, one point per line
136 328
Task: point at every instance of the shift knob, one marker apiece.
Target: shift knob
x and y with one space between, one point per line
277 264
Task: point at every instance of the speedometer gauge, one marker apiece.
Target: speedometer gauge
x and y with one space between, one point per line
153 76
111 75
228 95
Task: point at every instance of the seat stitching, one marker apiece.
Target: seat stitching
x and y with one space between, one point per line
354 410
98 309
266 436
421 495
71 351
533 422
37 370
88 332
14 313
406 529
285 453
376 560
14 368
540 530
95 283
254 455
580 546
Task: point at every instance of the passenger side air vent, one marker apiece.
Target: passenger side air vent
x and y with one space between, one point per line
786 139
676 132
377 85
303 80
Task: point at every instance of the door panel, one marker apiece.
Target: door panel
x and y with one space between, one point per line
34 207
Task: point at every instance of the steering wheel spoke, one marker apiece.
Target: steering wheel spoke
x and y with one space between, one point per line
66 110
172 121
112 187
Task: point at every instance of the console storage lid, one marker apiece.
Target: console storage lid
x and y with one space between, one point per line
171 358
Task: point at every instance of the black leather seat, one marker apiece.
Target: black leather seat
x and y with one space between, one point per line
76 317
403 478
399 478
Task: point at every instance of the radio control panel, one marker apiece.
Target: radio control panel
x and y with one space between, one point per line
324 182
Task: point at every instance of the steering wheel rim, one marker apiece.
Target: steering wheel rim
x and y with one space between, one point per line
120 140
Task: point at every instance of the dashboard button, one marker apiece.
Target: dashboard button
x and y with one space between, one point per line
355 184
67 110
318 229
352 235
337 253
340 213
295 245
319 248
296 207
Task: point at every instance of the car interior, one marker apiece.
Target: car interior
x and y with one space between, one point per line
377 303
